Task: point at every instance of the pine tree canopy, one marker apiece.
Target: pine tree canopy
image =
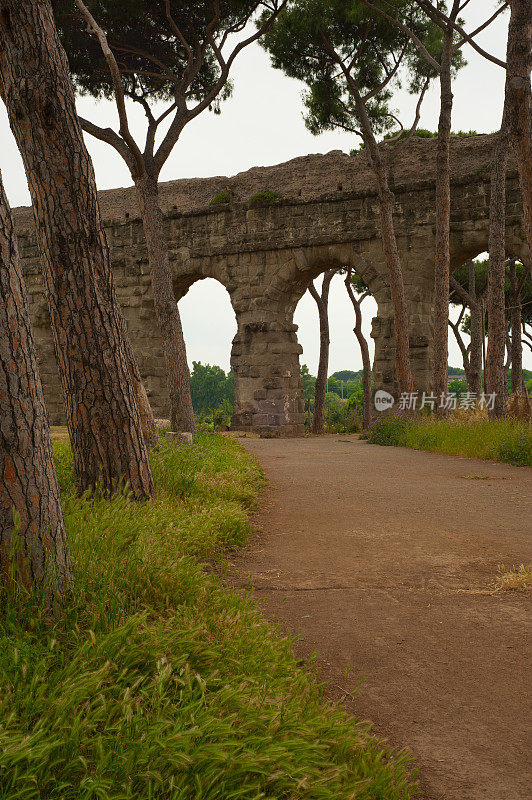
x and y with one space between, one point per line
160 46
311 36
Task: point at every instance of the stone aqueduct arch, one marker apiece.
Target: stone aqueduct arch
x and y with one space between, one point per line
266 254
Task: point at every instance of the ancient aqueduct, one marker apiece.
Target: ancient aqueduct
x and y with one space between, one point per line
266 254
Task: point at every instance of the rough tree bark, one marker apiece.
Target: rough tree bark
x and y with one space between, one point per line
147 419
102 413
516 346
37 545
443 216
496 276
518 103
364 349
145 171
166 309
320 389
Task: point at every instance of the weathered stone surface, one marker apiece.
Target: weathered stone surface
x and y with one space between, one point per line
177 438
267 254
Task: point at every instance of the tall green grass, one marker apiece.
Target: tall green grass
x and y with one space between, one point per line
160 683
498 440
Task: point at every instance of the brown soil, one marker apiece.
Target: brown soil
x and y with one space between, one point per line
384 560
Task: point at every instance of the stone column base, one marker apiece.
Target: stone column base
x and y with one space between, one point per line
268 386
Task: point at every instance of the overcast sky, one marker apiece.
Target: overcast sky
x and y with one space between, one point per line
261 125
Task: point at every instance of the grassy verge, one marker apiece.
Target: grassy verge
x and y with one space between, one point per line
160 683
500 440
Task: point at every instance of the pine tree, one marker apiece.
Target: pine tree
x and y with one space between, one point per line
32 529
102 414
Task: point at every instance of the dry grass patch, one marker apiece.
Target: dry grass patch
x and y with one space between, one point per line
515 579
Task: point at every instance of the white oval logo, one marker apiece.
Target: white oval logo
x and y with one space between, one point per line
383 400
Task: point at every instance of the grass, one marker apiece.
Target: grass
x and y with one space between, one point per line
516 578
159 683
499 440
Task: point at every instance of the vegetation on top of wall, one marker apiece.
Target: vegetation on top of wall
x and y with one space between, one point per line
264 197
225 196
421 133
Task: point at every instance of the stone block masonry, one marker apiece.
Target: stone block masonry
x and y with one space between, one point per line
267 253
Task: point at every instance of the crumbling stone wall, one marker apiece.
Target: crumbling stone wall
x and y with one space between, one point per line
266 254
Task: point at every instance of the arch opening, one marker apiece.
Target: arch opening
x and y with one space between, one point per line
343 400
209 328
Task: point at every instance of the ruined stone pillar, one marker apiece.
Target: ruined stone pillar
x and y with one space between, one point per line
268 386
420 337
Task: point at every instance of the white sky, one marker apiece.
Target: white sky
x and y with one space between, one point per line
262 125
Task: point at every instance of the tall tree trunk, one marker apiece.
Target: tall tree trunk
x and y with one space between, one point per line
364 350
475 352
484 356
320 388
37 543
166 310
147 419
518 103
443 216
455 327
516 346
389 245
497 274
102 414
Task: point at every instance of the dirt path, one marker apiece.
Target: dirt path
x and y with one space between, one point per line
380 558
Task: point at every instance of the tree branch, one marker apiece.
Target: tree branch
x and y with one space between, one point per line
403 142
185 115
315 294
109 136
456 330
415 39
461 292
442 20
117 85
481 27
389 76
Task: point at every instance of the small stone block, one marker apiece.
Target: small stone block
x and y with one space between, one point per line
179 438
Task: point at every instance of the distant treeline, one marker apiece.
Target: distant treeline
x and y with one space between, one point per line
210 387
213 388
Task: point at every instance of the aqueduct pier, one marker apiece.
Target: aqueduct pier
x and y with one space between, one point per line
267 252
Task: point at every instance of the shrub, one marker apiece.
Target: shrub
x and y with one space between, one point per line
388 431
222 414
458 386
354 411
263 198
516 448
222 197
